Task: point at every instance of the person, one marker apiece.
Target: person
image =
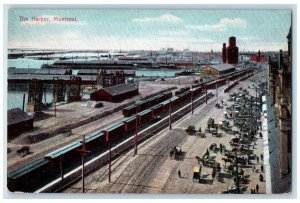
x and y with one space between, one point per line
261 178
260 135
257 158
262 168
251 191
257 188
261 156
179 173
253 169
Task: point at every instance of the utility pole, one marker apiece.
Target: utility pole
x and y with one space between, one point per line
23 106
192 110
170 114
206 95
216 89
83 153
250 118
109 164
136 133
237 173
61 167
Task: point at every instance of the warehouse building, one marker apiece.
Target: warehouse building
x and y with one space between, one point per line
18 122
218 69
115 93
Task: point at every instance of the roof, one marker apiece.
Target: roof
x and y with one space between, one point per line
144 112
47 77
156 106
27 168
113 126
127 120
222 66
93 136
63 150
130 107
38 71
16 115
120 89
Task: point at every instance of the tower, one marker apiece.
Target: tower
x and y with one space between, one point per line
224 53
232 51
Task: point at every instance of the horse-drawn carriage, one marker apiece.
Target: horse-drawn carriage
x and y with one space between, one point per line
177 153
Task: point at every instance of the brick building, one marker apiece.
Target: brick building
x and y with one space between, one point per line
115 93
280 75
231 53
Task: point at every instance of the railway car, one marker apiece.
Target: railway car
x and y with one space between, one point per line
157 109
29 177
144 116
165 104
62 156
130 123
152 102
167 95
130 110
141 106
114 131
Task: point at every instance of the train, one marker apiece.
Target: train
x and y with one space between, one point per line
37 173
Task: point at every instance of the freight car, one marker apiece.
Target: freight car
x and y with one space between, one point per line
143 105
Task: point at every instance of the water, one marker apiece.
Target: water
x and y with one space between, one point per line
15 95
27 63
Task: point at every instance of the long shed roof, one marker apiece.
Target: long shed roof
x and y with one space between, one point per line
120 89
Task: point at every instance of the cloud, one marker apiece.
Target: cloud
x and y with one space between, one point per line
49 19
166 18
172 33
222 25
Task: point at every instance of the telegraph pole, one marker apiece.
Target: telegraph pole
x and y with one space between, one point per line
237 173
135 134
192 110
206 95
170 114
109 164
83 153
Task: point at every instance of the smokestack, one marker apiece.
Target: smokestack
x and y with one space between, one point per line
280 56
224 53
232 41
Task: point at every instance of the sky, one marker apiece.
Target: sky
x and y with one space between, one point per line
121 29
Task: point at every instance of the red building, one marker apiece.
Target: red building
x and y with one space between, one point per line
258 58
231 53
224 53
115 93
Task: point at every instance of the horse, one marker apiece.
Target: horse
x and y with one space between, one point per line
199 159
227 160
